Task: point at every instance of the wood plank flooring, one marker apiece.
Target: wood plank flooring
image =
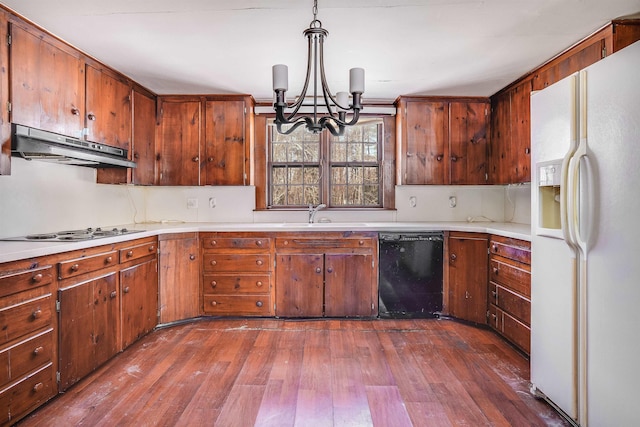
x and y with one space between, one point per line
273 372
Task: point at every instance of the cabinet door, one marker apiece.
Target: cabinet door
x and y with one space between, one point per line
5 128
108 109
224 143
179 278
88 327
499 147
521 133
179 139
47 84
144 139
468 125
425 142
139 300
348 285
299 285
468 278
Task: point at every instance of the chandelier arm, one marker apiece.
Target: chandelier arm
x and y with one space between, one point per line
296 105
326 123
302 121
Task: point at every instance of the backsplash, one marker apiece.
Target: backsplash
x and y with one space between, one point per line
41 197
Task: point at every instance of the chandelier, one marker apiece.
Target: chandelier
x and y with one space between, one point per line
328 111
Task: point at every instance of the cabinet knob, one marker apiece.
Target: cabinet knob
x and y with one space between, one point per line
454 158
259 242
453 257
192 257
214 303
439 158
129 254
527 150
36 314
214 243
38 350
152 248
210 159
361 242
318 270
259 283
113 294
91 116
75 267
259 262
196 159
75 111
214 262
494 248
214 283
136 155
330 270
37 278
38 387
259 304
126 290
108 260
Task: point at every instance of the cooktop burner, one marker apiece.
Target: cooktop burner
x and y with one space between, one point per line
73 235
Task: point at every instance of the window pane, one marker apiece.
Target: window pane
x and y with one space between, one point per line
311 152
278 195
278 152
370 152
338 195
295 195
355 175
355 152
295 175
371 175
370 195
338 175
312 175
312 195
355 195
338 152
294 152
279 175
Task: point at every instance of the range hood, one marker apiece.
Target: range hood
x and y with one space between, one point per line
36 144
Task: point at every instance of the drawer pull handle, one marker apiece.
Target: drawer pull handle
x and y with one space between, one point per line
113 294
494 293
259 283
213 243
259 242
192 257
129 254
75 267
38 387
152 248
318 270
37 278
126 289
494 248
214 303
108 260
494 316
361 242
36 314
259 262
495 270
38 350
214 262
214 283
454 257
259 304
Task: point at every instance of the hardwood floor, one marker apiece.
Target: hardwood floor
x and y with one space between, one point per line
272 372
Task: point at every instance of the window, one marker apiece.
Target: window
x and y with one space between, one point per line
306 168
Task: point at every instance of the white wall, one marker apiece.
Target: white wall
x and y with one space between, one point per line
41 197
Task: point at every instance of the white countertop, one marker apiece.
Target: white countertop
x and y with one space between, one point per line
16 250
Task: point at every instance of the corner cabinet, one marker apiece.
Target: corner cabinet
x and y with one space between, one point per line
203 140
443 140
237 271
467 276
328 274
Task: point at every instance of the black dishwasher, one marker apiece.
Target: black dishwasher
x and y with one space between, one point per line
411 272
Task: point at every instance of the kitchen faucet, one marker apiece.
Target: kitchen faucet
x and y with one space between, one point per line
313 211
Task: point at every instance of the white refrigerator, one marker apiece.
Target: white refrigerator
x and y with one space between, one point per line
585 259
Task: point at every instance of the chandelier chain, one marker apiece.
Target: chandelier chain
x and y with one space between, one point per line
315 10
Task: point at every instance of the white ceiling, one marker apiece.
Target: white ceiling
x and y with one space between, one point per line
407 47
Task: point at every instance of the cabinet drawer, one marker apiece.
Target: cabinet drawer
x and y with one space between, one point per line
236 284
26 394
244 305
320 243
236 243
21 319
510 276
514 249
511 302
513 330
138 251
14 282
219 262
26 356
78 266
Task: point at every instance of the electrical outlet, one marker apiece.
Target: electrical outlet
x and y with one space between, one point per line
212 202
412 201
453 201
192 203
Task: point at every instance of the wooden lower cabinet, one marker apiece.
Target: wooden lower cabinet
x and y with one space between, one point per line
139 300
236 274
179 288
510 290
88 321
326 274
467 276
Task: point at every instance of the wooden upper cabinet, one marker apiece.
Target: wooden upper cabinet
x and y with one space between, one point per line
5 128
178 136
47 83
108 109
144 139
468 127
424 142
444 141
224 143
